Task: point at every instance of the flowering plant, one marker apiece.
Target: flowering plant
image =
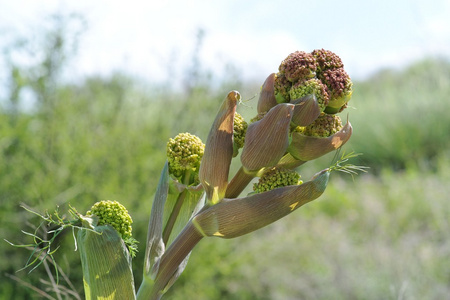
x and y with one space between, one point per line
296 122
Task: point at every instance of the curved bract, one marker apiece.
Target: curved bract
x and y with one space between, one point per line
307 148
235 217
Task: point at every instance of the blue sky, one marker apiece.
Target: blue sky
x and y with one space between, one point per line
142 37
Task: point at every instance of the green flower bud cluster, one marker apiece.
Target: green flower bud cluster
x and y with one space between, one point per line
324 126
275 178
282 86
239 131
184 154
320 72
308 87
113 213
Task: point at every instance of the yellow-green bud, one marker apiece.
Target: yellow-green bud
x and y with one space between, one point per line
257 118
324 126
309 87
239 130
184 154
281 88
275 178
113 213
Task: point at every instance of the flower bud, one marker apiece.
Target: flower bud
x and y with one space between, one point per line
311 87
216 161
267 139
184 153
324 126
298 66
112 213
339 87
276 178
239 131
281 87
267 97
326 59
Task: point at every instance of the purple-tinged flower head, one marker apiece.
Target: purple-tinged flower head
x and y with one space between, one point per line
311 86
339 87
275 178
282 86
298 66
324 126
327 59
184 154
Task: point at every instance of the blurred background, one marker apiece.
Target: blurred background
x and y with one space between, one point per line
90 92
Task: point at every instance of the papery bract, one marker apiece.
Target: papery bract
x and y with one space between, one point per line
307 148
266 140
306 110
215 164
235 217
267 97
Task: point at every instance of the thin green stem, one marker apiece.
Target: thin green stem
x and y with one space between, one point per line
173 216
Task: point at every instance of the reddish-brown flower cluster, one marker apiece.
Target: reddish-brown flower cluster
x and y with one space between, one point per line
327 60
298 66
332 85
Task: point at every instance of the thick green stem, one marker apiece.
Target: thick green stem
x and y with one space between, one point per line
145 290
170 261
238 183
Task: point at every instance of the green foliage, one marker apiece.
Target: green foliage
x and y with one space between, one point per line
401 118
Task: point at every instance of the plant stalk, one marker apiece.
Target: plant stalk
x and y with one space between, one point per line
238 183
169 263
173 216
